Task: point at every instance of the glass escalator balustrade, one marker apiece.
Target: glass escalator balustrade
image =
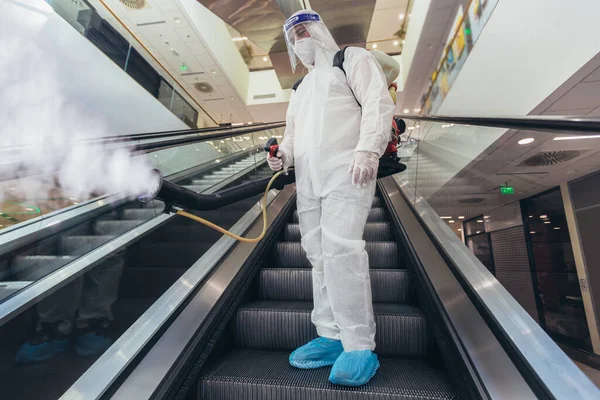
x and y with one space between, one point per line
56 339
51 254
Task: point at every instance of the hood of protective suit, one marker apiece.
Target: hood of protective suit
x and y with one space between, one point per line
307 39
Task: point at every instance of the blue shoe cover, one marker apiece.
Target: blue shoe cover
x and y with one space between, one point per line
354 368
91 344
33 353
319 352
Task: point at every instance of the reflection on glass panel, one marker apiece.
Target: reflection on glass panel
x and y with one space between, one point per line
482 183
86 20
59 337
553 265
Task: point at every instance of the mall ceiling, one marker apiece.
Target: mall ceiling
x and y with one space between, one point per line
261 21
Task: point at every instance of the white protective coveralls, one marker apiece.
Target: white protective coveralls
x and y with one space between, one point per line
325 128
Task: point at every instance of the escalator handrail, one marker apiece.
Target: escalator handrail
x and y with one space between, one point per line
197 136
580 125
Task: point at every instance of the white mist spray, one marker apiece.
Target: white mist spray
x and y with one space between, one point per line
35 114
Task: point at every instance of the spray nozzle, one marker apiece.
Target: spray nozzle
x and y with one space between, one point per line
157 182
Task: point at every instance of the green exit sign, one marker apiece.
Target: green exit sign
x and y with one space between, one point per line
507 190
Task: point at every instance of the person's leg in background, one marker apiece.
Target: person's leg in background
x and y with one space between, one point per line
100 291
325 349
55 315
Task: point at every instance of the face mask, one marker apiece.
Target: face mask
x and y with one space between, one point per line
305 50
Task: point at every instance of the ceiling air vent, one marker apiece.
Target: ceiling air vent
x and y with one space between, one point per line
264 96
203 87
472 200
550 158
135 4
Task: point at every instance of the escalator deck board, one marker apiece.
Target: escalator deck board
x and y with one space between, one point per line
254 374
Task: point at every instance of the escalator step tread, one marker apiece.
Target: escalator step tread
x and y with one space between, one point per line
388 285
115 227
381 255
255 374
374 232
286 325
141 213
376 214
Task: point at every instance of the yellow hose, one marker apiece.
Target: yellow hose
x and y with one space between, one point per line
233 235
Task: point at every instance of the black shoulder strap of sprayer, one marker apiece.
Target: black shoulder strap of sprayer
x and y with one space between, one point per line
297 84
338 62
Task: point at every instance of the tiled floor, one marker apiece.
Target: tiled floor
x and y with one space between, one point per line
592 373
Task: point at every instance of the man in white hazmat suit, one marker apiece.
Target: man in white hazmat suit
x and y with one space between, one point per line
338 126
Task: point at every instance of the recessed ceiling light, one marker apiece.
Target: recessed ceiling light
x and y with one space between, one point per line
396 43
577 137
531 216
543 216
446 217
417 110
546 222
401 16
231 98
461 217
177 20
480 221
532 232
556 228
265 59
213 72
460 230
250 123
526 141
478 232
451 221
374 45
406 111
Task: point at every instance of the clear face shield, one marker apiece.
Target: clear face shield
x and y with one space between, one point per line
305 34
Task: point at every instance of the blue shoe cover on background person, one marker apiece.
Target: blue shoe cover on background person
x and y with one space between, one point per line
319 352
91 344
354 368
32 352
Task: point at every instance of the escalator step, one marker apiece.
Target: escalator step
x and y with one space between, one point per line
374 232
388 285
286 325
79 245
259 375
141 214
30 268
377 202
381 255
114 227
376 214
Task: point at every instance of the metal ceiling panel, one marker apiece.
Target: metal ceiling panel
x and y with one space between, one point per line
261 21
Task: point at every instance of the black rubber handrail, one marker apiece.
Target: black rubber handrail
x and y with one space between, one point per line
229 130
155 146
19 167
163 134
583 126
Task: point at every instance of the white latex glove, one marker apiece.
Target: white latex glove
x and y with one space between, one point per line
363 168
283 160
